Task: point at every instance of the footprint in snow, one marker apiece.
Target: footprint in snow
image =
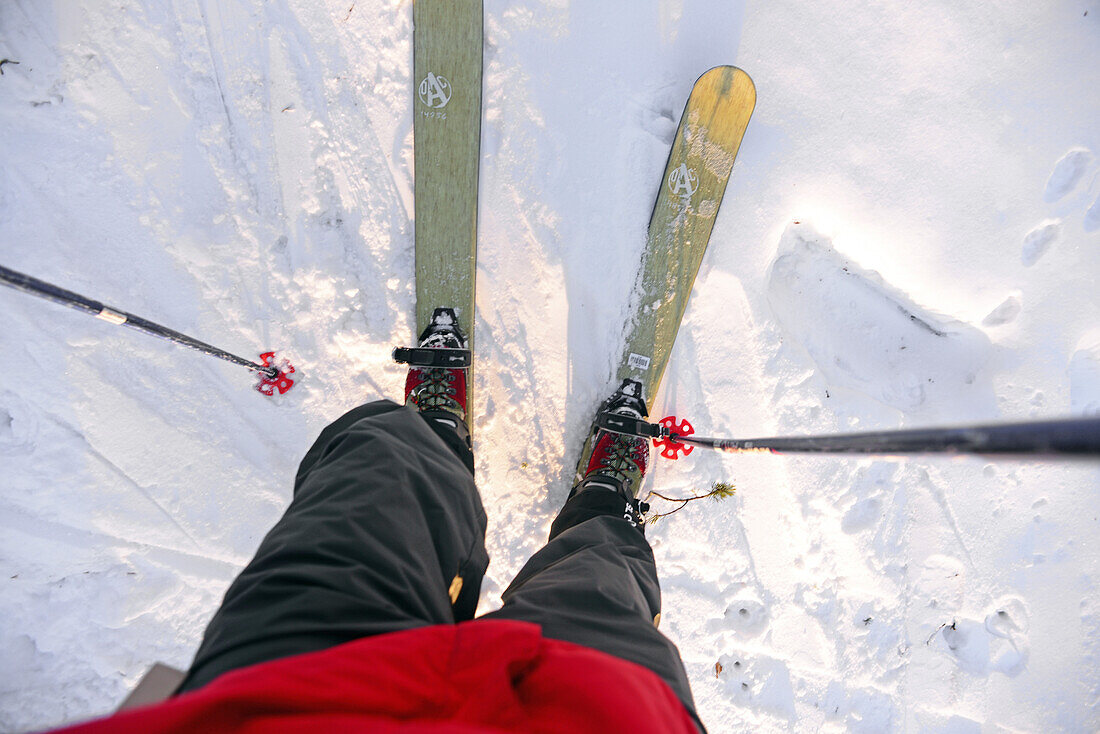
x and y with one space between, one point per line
746 615
1092 216
1067 173
758 682
1066 177
864 499
1039 240
1005 313
861 515
997 645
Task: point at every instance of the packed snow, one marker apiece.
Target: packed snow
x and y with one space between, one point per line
911 236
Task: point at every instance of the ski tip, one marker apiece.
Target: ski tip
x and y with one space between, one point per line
728 80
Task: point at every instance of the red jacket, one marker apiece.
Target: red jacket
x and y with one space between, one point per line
475 677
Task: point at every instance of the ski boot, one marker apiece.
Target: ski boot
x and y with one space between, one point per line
436 383
617 461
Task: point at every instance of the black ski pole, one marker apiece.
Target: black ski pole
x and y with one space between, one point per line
271 375
1064 438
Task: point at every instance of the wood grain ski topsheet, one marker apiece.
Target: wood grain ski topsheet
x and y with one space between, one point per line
699 165
447 57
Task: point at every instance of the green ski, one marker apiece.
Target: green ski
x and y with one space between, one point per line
447 64
699 165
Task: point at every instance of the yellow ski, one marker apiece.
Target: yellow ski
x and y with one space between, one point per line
698 168
699 165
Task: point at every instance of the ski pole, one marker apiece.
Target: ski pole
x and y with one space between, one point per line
1063 438
1060 438
271 375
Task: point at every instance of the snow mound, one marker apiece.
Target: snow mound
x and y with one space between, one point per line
865 335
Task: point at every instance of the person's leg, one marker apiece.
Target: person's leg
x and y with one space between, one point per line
594 583
385 532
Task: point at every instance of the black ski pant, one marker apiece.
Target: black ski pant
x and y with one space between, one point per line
386 532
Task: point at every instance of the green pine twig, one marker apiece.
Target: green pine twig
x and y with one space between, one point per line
719 491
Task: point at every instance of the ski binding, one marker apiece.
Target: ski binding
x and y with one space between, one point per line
442 345
452 359
663 434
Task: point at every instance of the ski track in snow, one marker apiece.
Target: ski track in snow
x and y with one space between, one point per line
243 172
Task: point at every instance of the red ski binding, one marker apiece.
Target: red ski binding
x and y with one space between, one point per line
671 449
281 382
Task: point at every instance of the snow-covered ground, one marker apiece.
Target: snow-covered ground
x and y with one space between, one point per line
911 236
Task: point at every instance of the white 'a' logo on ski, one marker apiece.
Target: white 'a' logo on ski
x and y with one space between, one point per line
435 91
683 181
